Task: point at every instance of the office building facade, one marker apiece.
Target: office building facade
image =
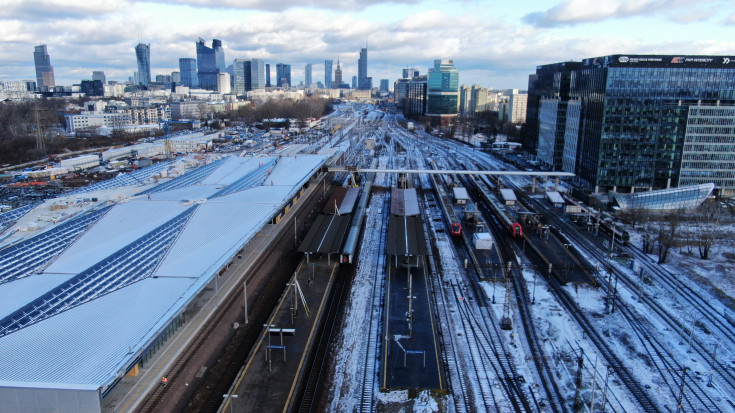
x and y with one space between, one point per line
99 75
643 121
188 72
307 74
210 62
384 86
267 75
442 93
143 55
283 75
44 71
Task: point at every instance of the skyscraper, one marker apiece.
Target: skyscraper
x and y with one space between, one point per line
99 75
258 74
363 81
143 53
354 82
242 84
267 75
328 74
210 62
283 75
384 85
44 70
338 75
188 70
307 74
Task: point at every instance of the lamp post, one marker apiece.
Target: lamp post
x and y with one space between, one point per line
229 397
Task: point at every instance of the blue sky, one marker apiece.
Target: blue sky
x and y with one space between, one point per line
495 44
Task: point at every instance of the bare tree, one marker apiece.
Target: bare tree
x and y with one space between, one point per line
708 221
666 235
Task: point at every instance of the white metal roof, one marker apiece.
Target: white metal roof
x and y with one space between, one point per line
555 197
508 194
88 345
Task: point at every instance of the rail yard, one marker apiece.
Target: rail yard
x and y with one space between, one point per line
371 268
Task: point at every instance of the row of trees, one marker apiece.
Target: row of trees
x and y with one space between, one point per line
302 110
29 130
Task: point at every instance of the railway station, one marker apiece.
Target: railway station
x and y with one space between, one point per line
94 309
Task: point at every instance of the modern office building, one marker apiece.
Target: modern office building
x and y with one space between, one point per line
143 55
283 75
241 82
44 71
384 86
223 83
631 123
267 75
442 93
415 106
99 75
328 73
307 74
354 82
176 78
409 73
210 62
92 88
363 81
257 74
188 71
400 93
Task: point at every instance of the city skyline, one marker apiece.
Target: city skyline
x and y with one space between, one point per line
496 47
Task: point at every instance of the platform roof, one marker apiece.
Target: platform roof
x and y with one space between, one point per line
404 202
87 334
406 236
344 199
508 194
555 197
326 235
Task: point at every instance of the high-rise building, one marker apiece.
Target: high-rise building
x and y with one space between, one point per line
328 73
267 75
188 71
442 93
384 87
44 71
478 100
415 105
258 74
242 83
363 81
354 82
409 73
517 103
176 77
210 62
465 96
400 93
99 75
628 123
223 83
283 74
337 75
92 88
307 74
143 54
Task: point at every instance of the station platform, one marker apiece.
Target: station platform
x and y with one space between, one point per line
565 265
410 358
272 373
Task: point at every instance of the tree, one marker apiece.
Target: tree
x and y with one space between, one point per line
666 234
708 221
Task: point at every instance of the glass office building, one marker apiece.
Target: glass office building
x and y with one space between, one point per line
634 121
188 72
44 71
283 75
210 62
328 74
442 93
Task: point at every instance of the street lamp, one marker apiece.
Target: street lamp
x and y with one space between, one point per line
229 397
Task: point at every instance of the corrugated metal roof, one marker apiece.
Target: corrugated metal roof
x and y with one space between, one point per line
508 195
326 234
87 346
406 236
555 197
343 199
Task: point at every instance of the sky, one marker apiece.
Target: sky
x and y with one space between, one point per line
495 44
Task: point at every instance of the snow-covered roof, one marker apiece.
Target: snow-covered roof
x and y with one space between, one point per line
80 319
555 197
508 194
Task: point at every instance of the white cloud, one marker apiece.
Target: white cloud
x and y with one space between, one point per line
270 5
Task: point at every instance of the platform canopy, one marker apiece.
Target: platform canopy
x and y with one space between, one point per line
326 235
406 237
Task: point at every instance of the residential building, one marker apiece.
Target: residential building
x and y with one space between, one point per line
328 73
44 71
307 74
363 81
465 95
188 71
143 55
478 99
631 123
517 103
188 109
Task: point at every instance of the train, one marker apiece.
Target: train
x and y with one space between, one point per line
606 225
